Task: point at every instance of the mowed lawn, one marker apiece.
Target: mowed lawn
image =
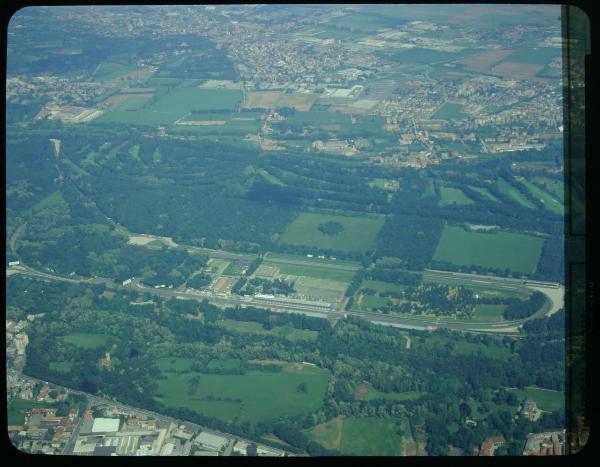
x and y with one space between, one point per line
518 252
546 399
372 437
358 235
453 196
361 436
253 396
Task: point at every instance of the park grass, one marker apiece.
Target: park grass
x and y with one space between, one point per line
488 312
251 327
270 178
371 437
503 250
556 188
62 367
453 196
17 407
54 199
449 111
359 232
545 399
253 396
484 192
513 193
380 286
374 394
549 202
461 347
88 340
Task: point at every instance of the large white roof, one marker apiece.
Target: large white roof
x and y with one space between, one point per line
105 425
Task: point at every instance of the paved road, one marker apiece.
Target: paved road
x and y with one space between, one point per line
408 322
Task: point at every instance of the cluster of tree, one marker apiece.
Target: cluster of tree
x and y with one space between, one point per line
277 286
253 266
355 283
199 281
331 228
393 275
410 238
518 309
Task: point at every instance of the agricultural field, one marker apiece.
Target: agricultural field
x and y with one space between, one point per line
534 56
556 188
359 232
271 99
107 71
449 111
545 399
453 196
253 396
173 105
88 340
519 253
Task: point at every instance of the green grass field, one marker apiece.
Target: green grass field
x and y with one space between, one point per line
173 105
380 286
315 261
358 235
372 437
549 202
88 340
513 193
460 348
308 270
110 70
373 394
16 408
488 312
453 196
254 396
484 192
534 56
556 188
288 332
518 252
321 288
545 399
449 111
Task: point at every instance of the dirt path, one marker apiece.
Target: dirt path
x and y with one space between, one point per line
15 236
361 391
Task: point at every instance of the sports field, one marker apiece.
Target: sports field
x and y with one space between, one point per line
519 253
253 396
358 235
